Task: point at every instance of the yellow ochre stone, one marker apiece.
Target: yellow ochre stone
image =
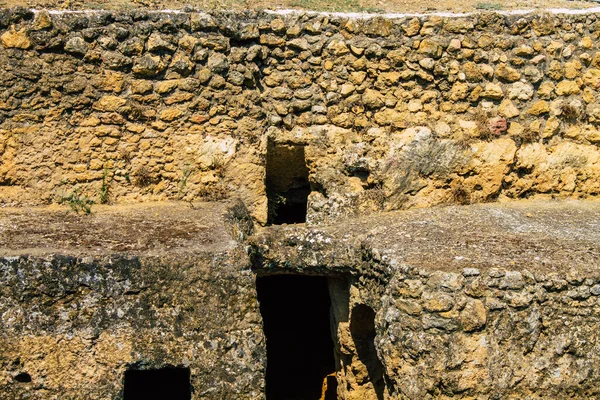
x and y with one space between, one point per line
16 39
539 107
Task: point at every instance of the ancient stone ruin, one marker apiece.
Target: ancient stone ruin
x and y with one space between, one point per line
263 205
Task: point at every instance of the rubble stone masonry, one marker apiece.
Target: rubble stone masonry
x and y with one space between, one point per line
394 112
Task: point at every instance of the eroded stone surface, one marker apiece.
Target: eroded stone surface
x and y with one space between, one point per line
484 300
459 295
393 113
87 297
470 301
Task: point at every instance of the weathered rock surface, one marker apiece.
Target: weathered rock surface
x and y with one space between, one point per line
84 298
393 113
482 301
477 301
469 300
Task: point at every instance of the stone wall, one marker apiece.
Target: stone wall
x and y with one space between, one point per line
485 301
75 325
149 287
394 112
494 334
497 333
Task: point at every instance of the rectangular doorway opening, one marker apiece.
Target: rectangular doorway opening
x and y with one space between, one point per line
158 384
300 349
287 184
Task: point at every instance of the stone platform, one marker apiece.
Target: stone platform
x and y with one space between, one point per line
481 301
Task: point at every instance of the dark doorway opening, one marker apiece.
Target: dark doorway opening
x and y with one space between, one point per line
287 184
158 384
362 329
300 351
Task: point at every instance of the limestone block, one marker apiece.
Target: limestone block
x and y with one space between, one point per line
521 91
109 103
156 43
430 48
217 62
539 107
271 40
412 28
567 88
338 47
472 72
148 66
170 114
14 39
493 91
473 317
507 73
372 98
437 302
42 20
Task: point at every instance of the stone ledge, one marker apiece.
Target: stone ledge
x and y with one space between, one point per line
149 229
541 236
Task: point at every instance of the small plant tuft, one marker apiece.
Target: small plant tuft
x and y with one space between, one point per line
136 113
274 201
185 174
218 165
142 177
125 155
375 195
105 188
463 141
527 136
214 192
240 220
484 5
482 118
460 195
78 202
570 112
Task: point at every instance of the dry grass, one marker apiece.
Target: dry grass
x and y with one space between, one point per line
374 196
371 6
527 136
460 195
240 220
214 192
482 119
571 113
489 6
143 177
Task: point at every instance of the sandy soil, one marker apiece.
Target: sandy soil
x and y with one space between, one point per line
148 228
371 6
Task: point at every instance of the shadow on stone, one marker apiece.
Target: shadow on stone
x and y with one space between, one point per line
158 384
362 328
287 184
300 353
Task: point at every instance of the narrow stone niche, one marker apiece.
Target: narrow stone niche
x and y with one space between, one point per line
362 329
158 384
287 184
300 349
